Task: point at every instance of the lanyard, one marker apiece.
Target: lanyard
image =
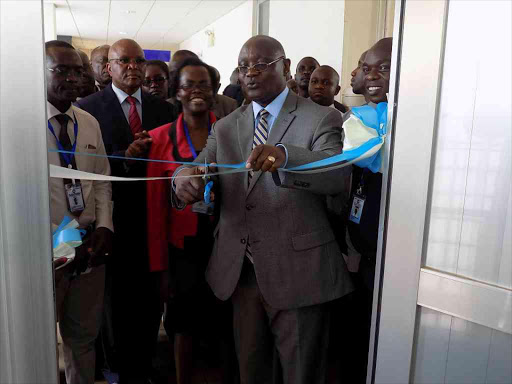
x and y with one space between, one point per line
66 156
360 186
189 140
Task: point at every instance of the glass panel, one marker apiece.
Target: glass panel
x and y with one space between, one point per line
472 177
455 351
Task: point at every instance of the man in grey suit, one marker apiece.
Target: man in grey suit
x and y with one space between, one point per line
275 254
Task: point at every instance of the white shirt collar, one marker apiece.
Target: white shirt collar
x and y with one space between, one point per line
122 95
52 111
274 107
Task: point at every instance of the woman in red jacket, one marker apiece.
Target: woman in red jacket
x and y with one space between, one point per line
180 241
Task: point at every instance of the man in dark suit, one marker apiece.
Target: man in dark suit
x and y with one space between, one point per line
323 86
224 105
125 115
305 68
99 60
234 90
275 254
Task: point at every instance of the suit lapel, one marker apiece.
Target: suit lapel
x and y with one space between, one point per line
245 135
279 128
147 115
121 129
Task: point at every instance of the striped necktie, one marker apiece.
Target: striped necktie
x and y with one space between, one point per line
133 116
260 134
260 137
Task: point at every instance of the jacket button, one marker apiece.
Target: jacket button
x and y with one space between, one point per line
248 207
242 241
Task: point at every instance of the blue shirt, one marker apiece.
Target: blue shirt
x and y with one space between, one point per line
273 110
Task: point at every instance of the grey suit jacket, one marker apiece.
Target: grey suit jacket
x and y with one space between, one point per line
296 258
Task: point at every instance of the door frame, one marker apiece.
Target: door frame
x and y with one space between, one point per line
405 283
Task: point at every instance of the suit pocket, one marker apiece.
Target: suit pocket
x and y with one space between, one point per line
312 239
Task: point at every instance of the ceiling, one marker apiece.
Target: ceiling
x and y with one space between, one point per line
154 24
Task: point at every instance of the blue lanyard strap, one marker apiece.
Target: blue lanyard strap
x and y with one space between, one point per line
68 157
189 140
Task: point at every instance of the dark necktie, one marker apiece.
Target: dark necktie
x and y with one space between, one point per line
64 139
133 116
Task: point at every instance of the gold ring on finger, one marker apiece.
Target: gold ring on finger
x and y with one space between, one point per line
272 159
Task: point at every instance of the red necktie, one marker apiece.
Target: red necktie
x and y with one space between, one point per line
133 116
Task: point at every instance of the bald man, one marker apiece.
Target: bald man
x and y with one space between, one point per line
87 86
125 115
223 105
361 234
305 68
324 86
274 255
99 60
357 77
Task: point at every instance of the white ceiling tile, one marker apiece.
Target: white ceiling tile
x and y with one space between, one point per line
154 24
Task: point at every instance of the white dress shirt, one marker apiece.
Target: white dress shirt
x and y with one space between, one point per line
97 194
125 105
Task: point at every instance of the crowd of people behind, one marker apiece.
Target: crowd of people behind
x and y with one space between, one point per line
269 269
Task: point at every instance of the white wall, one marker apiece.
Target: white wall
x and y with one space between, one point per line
231 32
304 27
309 28
50 23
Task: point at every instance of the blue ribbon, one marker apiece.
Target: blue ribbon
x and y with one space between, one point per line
376 118
70 236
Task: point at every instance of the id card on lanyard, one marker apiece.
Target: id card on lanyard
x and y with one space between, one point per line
356 211
73 188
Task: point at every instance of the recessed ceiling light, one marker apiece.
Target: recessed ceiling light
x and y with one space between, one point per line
122 33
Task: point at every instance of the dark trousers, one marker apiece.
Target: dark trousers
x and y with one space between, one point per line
136 319
300 337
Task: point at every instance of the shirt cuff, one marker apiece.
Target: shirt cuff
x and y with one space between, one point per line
286 152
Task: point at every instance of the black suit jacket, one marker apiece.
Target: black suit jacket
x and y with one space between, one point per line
340 107
129 197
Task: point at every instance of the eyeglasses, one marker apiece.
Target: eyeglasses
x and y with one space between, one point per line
259 67
202 87
67 71
156 80
125 61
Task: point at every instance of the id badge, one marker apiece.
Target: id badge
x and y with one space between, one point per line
202 207
357 209
75 197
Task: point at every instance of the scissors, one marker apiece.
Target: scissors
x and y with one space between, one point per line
208 184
